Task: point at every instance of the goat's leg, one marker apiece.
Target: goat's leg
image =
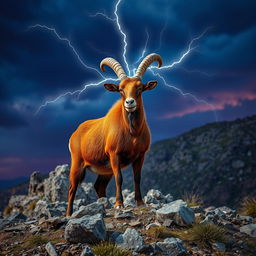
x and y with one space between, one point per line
137 166
77 173
101 184
114 161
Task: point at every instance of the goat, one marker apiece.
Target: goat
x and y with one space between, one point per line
108 144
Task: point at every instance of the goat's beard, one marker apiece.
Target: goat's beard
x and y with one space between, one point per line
131 117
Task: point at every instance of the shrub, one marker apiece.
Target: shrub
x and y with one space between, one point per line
109 249
249 207
7 210
159 232
32 206
192 199
205 235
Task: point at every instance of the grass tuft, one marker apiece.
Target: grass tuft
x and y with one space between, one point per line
32 206
249 207
109 249
159 232
7 210
205 235
192 199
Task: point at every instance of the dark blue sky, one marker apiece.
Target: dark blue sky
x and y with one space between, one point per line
36 67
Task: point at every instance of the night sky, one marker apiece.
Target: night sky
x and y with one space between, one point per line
36 67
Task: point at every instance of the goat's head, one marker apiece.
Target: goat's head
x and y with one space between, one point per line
131 88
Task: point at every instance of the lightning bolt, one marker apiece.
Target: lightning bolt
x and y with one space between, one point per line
124 52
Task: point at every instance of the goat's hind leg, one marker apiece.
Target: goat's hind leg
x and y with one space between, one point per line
76 176
101 184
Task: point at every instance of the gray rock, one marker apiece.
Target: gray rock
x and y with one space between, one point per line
16 201
219 246
172 247
16 217
168 198
130 200
105 202
50 249
248 219
112 200
125 193
87 251
197 209
85 229
178 211
154 197
90 209
130 240
249 229
36 185
56 187
123 214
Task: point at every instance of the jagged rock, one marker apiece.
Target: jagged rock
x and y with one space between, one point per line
149 226
123 214
219 246
247 219
130 200
90 209
80 202
36 185
130 240
53 223
16 217
51 249
249 229
172 247
87 251
154 197
105 202
16 201
112 200
178 211
56 187
197 209
85 229
125 193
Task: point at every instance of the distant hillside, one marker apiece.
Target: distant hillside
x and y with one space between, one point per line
218 160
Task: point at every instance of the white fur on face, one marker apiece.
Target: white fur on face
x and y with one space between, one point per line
130 104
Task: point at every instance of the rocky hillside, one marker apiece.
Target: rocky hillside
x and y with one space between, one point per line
35 224
217 160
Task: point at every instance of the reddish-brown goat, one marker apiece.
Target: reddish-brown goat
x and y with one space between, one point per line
109 144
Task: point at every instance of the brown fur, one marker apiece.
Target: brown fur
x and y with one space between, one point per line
109 144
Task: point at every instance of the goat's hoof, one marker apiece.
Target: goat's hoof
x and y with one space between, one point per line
119 206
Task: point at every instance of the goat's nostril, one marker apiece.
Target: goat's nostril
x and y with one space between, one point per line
131 101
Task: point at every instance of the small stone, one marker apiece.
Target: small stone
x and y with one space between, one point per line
50 249
105 202
87 251
149 226
219 246
172 246
126 214
178 211
90 209
110 226
249 229
130 200
130 240
135 223
248 219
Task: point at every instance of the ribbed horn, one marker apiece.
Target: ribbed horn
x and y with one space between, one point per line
115 65
147 61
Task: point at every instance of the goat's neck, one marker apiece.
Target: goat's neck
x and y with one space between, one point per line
134 121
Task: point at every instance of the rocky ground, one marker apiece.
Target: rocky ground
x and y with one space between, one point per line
35 224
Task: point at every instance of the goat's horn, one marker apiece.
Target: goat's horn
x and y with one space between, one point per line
115 65
147 61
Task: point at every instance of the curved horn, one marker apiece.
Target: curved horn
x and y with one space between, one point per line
115 65
147 61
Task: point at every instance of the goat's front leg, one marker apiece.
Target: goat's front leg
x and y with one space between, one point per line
137 166
115 164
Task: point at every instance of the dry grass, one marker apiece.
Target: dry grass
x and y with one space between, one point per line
7 210
249 207
192 199
160 232
32 206
109 249
205 235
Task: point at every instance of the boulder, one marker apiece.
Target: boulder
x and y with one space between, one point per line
86 229
36 185
90 209
172 247
130 240
130 200
249 229
154 197
56 187
177 211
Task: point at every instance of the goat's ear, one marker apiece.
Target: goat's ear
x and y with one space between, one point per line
149 85
112 87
